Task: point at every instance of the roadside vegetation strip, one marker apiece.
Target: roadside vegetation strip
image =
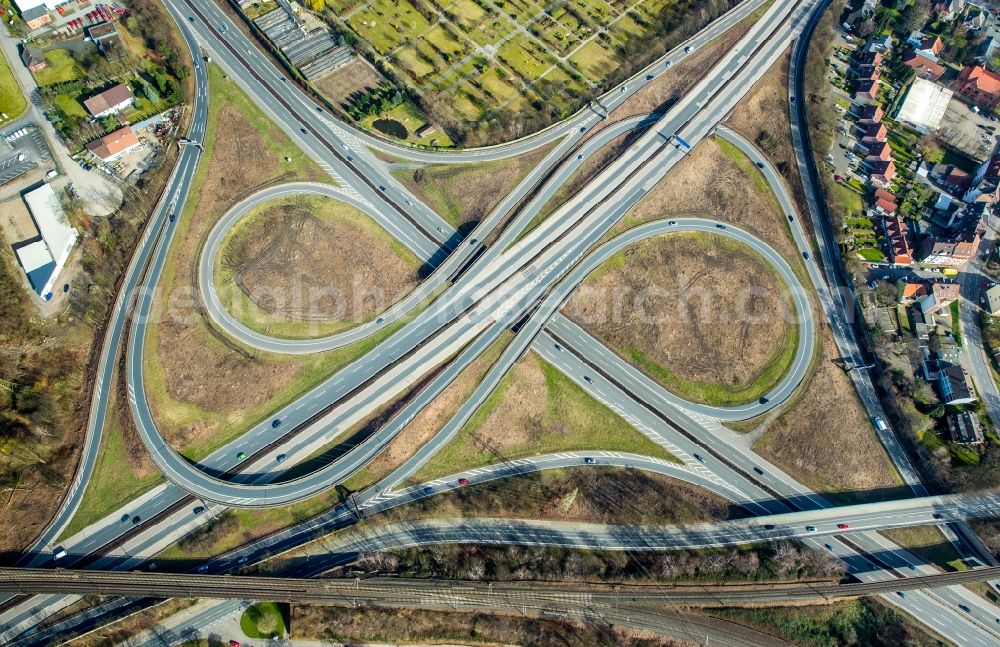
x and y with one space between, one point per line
12 101
337 268
536 410
122 473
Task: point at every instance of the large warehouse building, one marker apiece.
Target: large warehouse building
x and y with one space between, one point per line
25 5
924 105
43 259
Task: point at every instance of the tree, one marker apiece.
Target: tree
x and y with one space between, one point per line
317 5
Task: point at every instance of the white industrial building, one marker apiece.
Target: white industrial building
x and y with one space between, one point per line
24 5
924 105
44 259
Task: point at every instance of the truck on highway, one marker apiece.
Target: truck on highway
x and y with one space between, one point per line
683 143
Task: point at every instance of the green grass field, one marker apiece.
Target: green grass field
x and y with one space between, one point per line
584 423
113 482
12 101
62 67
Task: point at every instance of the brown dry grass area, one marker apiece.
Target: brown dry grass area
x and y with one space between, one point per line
464 194
484 630
356 76
197 366
762 117
707 182
434 416
591 495
299 265
825 440
706 309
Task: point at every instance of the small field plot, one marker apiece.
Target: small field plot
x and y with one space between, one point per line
595 60
356 77
447 43
596 12
705 316
12 100
62 67
310 266
416 65
496 86
388 24
525 57
555 34
536 410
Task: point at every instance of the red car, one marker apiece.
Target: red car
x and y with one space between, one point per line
837 179
843 526
234 643
463 481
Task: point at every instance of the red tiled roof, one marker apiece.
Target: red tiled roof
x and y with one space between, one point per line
923 67
113 143
871 113
976 79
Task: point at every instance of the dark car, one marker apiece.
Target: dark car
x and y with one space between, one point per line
790 219
275 423
760 164
805 255
649 77
173 217
198 510
136 519
965 608
698 458
938 515
125 517
768 526
428 490
758 470
280 458
719 226
303 131
586 378
763 400
589 461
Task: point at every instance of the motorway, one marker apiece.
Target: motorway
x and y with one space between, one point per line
502 288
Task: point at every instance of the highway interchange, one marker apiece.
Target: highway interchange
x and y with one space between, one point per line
499 289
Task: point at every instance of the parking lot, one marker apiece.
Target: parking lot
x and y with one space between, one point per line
23 150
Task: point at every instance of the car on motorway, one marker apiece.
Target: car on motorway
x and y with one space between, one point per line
937 515
965 608
463 481
586 378
624 87
763 400
125 518
805 255
580 156
275 423
173 217
428 490
790 218
199 510
241 456
829 547
136 520
473 241
758 470
303 131
381 188
843 526
203 568
720 226
558 347
810 528
760 164
698 458
671 222
768 526
59 554
669 63
379 320
901 594
589 461
280 458
688 49
649 77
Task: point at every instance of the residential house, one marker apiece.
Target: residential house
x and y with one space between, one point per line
913 292
114 145
915 38
874 133
866 90
975 20
884 201
33 59
941 296
879 151
957 181
870 114
979 84
991 300
954 386
899 240
952 250
109 102
881 44
923 67
930 48
882 172
949 9
873 72
871 58
36 17
964 428
105 36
